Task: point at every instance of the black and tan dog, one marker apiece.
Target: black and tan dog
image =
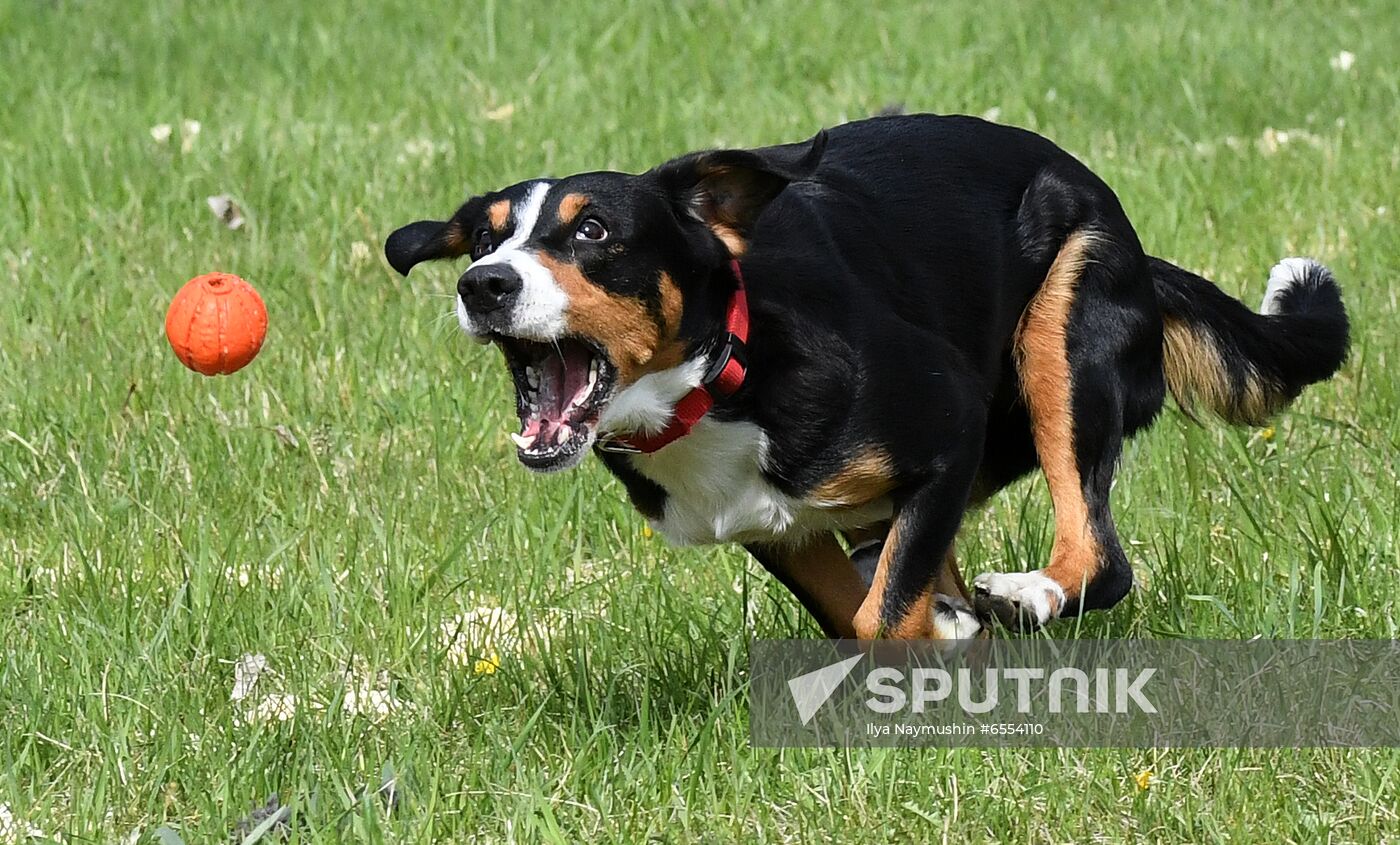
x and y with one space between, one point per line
861 335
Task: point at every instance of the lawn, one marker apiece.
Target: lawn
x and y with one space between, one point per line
517 652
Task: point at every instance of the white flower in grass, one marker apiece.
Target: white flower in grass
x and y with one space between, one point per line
1271 140
189 131
368 695
246 672
246 574
277 707
1342 61
501 113
420 148
360 255
226 210
13 831
160 133
992 114
273 707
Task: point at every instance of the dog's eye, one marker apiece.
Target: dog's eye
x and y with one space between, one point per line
590 230
482 244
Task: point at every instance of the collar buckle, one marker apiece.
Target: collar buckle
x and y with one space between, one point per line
734 350
616 447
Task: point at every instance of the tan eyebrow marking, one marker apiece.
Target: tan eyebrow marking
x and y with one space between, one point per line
499 214
570 206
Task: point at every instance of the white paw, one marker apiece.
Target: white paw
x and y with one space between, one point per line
1018 599
953 618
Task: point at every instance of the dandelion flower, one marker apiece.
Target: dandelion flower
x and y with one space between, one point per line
487 665
478 637
1143 779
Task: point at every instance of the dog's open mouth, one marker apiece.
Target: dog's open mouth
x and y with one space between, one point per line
561 388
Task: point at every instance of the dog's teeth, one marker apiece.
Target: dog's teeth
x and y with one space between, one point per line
522 441
565 431
532 377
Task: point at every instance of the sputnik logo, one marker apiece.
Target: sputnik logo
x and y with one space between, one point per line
810 691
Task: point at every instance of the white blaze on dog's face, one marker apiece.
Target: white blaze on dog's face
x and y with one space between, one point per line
589 284
539 307
579 283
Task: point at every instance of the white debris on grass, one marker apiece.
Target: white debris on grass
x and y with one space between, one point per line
246 672
13 831
276 707
422 151
226 210
360 255
477 638
1272 140
247 574
501 112
189 131
367 694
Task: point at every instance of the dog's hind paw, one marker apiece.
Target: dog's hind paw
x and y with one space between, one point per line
1021 601
954 619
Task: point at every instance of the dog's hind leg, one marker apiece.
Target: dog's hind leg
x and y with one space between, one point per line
820 573
1087 354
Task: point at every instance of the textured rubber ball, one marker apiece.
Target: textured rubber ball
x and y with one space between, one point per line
216 324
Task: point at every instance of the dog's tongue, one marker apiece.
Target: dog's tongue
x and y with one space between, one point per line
562 377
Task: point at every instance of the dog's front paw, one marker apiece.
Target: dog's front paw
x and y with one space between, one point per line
1021 601
954 619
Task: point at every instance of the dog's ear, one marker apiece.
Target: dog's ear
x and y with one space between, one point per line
728 189
425 240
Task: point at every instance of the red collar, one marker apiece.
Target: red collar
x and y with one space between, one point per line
724 377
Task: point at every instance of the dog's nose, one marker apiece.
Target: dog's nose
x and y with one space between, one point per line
485 289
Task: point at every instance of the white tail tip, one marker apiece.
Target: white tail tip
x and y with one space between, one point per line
1283 276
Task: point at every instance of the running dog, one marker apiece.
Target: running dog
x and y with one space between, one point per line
828 350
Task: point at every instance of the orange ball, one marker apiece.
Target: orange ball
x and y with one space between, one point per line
216 324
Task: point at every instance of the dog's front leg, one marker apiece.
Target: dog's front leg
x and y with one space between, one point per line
907 598
867 543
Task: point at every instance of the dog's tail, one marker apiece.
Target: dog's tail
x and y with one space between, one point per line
1241 365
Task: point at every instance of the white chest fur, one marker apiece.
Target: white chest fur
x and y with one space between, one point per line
716 491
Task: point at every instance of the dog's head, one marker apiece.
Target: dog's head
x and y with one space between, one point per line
588 283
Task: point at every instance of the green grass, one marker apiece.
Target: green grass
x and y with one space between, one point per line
358 476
